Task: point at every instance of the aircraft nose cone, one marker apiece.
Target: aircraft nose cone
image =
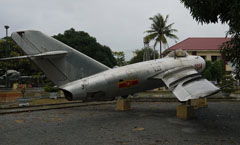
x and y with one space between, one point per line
203 63
199 64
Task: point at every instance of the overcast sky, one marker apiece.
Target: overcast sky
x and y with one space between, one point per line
119 24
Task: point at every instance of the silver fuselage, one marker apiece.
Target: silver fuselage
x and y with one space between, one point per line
130 79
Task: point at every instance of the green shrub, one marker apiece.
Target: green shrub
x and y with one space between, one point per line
228 84
50 88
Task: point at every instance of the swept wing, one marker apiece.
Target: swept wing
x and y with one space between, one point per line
186 83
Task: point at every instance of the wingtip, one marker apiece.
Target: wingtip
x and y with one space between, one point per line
20 33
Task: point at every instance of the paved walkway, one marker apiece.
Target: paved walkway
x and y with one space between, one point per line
147 123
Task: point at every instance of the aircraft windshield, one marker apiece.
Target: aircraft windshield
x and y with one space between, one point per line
178 53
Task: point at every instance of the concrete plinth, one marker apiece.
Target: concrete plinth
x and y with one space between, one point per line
185 111
123 105
198 103
203 102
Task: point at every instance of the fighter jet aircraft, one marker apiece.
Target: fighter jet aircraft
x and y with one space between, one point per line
82 78
12 76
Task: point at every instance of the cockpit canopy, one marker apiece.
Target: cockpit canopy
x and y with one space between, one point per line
178 53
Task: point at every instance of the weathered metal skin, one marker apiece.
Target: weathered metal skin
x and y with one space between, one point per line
108 81
82 78
44 51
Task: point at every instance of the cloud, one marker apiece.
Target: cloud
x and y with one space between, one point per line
117 24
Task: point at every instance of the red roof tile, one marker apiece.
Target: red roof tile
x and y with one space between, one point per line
200 44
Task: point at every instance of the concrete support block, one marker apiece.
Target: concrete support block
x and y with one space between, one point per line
185 111
198 103
203 102
194 103
123 105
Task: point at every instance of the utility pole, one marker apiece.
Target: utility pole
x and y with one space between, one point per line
6 55
146 47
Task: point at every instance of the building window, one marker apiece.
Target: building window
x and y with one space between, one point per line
204 57
194 53
214 58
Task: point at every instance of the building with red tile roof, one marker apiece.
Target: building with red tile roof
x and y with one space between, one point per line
200 44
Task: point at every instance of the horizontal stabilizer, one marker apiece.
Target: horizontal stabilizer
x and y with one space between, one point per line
17 57
50 54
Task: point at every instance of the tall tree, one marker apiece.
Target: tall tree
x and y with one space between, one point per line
214 71
120 57
224 11
88 45
160 30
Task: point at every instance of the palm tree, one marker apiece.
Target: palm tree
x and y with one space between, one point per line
159 31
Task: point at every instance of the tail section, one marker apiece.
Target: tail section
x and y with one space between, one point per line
60 63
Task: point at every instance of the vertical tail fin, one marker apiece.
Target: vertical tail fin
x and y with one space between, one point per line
60 63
